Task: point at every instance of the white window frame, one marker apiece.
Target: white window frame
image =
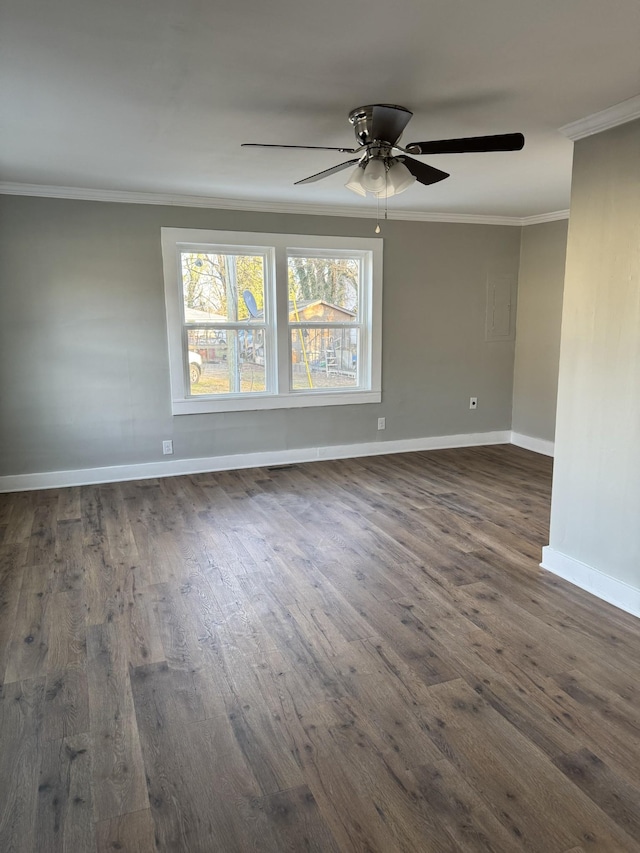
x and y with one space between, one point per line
277 370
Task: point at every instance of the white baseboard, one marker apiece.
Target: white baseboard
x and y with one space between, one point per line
538 445
592 580
175 467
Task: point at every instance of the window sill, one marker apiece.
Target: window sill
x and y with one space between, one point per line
260 402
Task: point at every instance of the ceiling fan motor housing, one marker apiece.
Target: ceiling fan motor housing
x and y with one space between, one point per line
379 122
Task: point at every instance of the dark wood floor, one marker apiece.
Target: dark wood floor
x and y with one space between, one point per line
360 655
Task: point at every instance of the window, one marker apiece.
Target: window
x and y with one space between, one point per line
259 321
226 305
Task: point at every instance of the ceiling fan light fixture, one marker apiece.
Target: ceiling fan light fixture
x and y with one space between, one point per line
399 179
375 175
355 182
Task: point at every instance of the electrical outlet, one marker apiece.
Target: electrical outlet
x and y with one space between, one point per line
167 447
473 402
382 423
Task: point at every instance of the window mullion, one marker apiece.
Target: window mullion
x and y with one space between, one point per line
323 324
233 327
282 321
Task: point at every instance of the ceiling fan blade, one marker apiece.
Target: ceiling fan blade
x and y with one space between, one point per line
469 145
319 175
312 147
422 172
388 122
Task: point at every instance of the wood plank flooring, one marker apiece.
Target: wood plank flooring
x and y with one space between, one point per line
356 655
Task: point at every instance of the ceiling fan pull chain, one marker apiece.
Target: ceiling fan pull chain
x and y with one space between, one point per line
377 231
386 194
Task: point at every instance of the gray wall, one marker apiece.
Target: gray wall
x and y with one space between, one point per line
540 286
84 369
595 514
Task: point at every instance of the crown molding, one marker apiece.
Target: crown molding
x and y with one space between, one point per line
604 120
173 200
539 218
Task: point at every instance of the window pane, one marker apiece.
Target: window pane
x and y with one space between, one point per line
324 289
222 287
222 361
324 358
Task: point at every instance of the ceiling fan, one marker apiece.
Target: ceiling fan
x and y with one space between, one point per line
383 166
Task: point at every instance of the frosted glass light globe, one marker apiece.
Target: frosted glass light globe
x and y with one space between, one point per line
375 174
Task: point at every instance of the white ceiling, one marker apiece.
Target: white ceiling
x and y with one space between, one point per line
157 95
